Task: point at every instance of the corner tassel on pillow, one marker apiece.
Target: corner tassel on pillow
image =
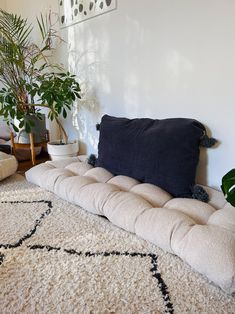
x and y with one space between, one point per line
199 193
207 141
92 160
97 126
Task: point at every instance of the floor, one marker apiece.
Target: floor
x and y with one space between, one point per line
27 164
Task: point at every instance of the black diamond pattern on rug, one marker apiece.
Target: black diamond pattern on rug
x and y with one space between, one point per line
153 258
17 232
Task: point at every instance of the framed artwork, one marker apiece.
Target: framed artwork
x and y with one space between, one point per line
75 11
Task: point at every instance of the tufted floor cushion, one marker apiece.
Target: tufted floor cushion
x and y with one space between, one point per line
201 234
8 165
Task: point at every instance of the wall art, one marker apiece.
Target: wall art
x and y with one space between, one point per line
75 11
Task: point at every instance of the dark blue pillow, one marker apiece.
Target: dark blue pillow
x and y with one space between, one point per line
162 152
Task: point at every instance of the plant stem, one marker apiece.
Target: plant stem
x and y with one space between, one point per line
61 128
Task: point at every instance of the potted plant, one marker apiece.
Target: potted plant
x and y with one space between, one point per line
228 186
30 81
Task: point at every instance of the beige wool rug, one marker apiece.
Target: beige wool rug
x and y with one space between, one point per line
57 258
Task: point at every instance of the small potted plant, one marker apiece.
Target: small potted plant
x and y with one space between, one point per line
30 81
228 186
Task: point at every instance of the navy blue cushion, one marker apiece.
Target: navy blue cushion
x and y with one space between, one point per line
162 152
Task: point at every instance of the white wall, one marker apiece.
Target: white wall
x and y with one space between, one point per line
3 4
158 59
30 9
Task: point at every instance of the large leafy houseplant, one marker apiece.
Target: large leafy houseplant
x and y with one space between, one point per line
228 186
29 80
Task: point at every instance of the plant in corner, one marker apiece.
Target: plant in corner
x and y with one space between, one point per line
228 186
29 80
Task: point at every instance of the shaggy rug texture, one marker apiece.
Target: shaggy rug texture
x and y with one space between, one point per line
57 258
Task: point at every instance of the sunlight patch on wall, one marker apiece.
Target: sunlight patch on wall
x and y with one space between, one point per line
84 61
131 96
178 69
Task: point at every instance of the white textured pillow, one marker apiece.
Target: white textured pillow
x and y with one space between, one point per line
8 165
5 130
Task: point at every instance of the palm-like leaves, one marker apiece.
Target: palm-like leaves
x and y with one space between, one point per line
25 73
19 57
14 28
14 43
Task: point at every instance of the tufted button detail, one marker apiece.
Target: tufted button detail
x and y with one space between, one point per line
99 174
197 210
156 196
123 182
224 217
78 168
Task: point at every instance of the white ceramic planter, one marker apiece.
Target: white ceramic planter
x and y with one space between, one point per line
58 151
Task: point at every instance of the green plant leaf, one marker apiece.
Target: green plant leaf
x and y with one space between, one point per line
21 124
64 114
27 127
14 127
228 186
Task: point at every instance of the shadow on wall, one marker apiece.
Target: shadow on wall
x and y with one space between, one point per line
119 76
82 61
201 175
92 58
85 117
202 168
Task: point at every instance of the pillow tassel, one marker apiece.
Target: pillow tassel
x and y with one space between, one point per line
207 141
92 160
199 193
